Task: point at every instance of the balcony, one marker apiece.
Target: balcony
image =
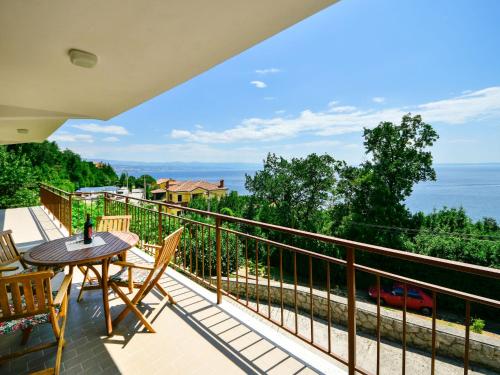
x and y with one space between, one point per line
249 300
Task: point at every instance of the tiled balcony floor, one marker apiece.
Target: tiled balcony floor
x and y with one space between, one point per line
194 336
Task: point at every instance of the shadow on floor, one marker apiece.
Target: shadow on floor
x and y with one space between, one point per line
251 352
193 336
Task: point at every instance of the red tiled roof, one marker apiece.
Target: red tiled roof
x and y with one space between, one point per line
158 191
192 185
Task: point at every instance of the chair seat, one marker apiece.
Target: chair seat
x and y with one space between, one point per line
11 326
121 277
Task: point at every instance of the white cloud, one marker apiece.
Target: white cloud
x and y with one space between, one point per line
191 152
476 105
269 97
280 111
179 134
257 129
106 129
378 99
473 106
268 71
306 132
111 139
198 126
259 84
65 137
333 103
342 109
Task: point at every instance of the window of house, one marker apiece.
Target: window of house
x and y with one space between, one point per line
170 197
179 198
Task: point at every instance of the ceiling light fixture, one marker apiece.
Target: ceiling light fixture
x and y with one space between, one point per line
82 58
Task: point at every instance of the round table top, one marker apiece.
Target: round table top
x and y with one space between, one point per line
55 253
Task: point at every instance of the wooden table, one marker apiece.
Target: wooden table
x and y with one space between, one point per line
54 253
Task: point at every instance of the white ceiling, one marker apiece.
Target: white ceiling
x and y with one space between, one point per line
144 48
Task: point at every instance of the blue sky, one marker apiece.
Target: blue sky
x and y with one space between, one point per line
313 87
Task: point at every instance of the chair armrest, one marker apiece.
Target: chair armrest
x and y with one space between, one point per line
134 265
62 291
8 268
152 246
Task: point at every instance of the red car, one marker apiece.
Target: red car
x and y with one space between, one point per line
416 298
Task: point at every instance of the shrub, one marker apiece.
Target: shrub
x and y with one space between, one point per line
478 325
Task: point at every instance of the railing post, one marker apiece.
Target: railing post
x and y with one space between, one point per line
59 206
218 258
105 204
351 311
126 205
70 226
160 224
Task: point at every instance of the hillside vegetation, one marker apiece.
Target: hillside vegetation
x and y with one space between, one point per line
24 166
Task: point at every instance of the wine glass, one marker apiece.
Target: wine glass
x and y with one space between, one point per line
78 235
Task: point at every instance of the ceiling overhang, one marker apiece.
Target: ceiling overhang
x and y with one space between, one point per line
144 48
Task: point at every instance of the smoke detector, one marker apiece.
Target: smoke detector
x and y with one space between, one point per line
82 58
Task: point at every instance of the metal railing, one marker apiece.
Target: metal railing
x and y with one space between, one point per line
248 261
58 203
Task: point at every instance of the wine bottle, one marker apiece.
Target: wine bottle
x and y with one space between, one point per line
87 231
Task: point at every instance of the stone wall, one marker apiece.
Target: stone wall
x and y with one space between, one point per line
484 350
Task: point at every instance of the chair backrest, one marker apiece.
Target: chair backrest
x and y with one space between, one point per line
167 251
31 295
114 223
8 250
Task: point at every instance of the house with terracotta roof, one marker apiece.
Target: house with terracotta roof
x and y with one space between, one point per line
162 182
182 192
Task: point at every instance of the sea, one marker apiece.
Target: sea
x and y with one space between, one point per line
475 187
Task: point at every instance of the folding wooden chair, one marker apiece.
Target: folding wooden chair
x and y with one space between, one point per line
114 223
9 254
150 249
30 303
145 277
104 224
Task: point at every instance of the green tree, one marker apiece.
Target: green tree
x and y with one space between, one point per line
234 202
150 180
47 163
18 182
371 196
293 192
449 233
123 180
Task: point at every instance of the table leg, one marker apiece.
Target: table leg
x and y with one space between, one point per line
105 300
70 272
